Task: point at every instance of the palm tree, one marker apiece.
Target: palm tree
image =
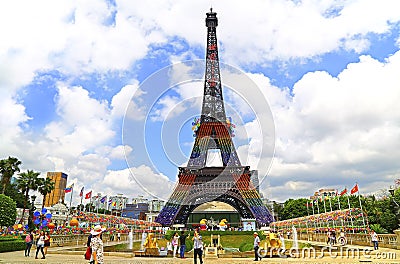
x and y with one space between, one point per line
27 181
46 185
7 169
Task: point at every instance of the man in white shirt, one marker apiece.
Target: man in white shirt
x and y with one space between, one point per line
198 247
256 246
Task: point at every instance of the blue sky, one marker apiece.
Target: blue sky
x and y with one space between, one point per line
76 76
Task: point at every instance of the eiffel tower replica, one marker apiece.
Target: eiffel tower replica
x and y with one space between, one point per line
232 183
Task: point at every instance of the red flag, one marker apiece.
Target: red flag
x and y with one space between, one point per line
88 195
81 193
343 192
355 189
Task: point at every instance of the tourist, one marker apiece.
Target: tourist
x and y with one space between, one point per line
333 237
288 234
374 239
182 241
118 236
282 239
174 243
96 244
29 242
328 236
40 244
46 242
197 247
256 246
89 240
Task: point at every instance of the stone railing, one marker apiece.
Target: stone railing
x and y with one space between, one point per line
81 239
385 240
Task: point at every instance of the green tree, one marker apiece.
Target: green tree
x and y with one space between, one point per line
294 208
7 169
8 211
45 186
27 181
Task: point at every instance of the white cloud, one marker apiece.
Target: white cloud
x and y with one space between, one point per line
144 180
336 131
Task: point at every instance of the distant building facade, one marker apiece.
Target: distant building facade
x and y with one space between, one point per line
322 193
58 194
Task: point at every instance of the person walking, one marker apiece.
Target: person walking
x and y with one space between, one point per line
374 239
174 243
182 241
28 243
40 244
46 242
197 247
256 246
96 244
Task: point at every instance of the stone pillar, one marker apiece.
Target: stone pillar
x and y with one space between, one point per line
397 232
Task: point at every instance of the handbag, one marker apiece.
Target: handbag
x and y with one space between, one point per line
88 253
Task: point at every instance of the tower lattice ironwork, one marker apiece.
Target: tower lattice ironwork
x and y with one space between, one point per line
231 183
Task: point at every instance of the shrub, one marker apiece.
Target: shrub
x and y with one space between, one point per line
13 245
8 210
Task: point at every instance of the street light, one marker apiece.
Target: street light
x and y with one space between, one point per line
391 191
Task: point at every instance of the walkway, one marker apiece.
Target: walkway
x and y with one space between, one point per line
66 255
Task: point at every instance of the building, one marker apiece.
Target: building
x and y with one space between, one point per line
60 183
322 193
143 209
136 211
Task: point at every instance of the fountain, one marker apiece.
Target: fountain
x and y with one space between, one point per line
144 236
295 242
130 239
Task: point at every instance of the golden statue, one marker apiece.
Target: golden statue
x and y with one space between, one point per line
273 240
150 242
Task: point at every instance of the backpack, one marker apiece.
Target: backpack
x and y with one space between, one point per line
28 239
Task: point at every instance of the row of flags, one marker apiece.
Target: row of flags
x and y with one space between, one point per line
88 195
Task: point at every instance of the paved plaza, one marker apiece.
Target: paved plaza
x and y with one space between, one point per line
65 256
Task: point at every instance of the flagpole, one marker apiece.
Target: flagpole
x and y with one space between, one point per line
319 225
313 212
351 218
70 201
340 209
362 211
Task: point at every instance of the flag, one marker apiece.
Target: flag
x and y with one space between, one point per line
343 192
69 188
110 201
355 189
81 193
102 200
88 195
114 204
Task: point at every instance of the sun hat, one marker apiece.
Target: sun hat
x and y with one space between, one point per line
97 230
255 233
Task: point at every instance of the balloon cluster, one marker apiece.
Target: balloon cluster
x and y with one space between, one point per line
42 218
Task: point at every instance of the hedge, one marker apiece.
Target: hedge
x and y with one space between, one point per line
10 238
14 245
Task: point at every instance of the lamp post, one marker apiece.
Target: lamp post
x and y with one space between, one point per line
391 191
30 223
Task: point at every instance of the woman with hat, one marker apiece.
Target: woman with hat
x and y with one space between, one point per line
96 244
